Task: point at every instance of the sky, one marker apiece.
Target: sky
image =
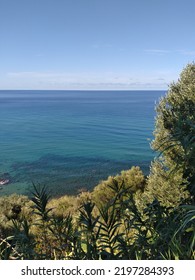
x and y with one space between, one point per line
95 44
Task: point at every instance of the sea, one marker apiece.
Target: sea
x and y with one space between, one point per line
69 141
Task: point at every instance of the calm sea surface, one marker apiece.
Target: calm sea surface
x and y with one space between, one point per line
70 140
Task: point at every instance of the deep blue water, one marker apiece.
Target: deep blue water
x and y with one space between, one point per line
73 139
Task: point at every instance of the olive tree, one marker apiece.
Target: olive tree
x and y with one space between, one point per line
174 170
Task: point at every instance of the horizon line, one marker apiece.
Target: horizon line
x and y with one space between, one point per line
83 89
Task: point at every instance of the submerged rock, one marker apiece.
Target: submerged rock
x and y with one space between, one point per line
5 179
4 182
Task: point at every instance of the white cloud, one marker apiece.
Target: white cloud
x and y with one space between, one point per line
158 51
163 52
187 52
63 80
101 46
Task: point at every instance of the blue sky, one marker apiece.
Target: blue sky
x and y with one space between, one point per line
94 44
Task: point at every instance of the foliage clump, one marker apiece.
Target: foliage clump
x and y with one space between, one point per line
132 180
175 140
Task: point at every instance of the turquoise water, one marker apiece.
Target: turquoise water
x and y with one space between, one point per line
73 139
